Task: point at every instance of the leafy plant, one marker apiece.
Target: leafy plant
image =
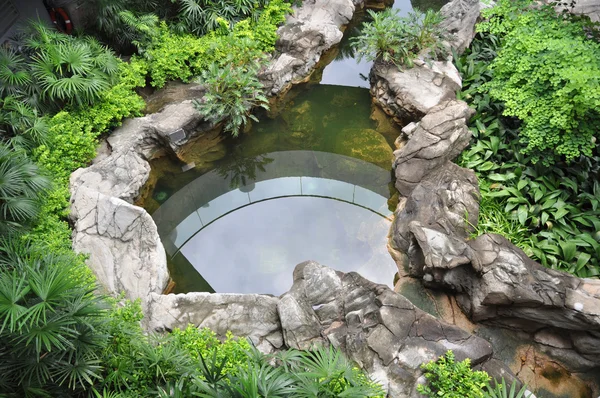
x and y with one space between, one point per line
231 93
21 189
546 74
391 38
501 390
49 338
551 213
451 379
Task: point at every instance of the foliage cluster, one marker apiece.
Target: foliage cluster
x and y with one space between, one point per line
194 362
546 75
49 335
171 56
126 23
391 38
231 92
451 379
552 213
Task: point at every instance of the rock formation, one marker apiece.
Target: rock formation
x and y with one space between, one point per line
379 329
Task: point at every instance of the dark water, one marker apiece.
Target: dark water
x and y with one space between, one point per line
312 184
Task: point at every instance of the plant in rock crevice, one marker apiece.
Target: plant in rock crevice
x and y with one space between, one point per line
231 94
391 38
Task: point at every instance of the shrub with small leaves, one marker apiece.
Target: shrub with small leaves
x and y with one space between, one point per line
450 379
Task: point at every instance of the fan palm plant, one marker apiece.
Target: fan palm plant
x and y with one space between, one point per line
49 336
21 186
68 70
21 125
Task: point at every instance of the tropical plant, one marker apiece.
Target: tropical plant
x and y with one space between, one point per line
501 390
451 379
553 214
21 189
391 38
546 75
202 16
70 70
231 93
49 336
21 124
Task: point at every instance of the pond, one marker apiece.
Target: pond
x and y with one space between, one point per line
313 182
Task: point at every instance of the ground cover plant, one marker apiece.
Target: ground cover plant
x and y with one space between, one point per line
542 170
391 38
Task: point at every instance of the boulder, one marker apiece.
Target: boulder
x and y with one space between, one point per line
411 93
310 31
377 328
591 8
447 201
122 242
460 17
439 137
245 315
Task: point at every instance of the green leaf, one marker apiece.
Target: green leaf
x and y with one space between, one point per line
522 214
568 250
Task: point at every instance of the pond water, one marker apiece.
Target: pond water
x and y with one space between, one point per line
312 183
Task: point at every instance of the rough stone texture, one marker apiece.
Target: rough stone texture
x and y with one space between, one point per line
379 329
122 241
591 8
460 19
439 137
411 93
439 202
310 31
249 315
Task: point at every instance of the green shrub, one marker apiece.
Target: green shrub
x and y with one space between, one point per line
231 93
450 379
553 214
172 56
546 74
396 39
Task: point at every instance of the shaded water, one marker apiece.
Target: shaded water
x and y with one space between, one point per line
314 183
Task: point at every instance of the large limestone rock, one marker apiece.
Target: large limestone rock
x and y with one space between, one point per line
411 93
249 315
379 329
310 31
460 17
122 242
591 8
439 137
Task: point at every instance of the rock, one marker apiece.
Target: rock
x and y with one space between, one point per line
591 8
379 329
122 242
311 30
440 202
460 19
413 92
245 315
440 137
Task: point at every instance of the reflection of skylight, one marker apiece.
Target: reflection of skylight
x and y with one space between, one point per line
272 189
